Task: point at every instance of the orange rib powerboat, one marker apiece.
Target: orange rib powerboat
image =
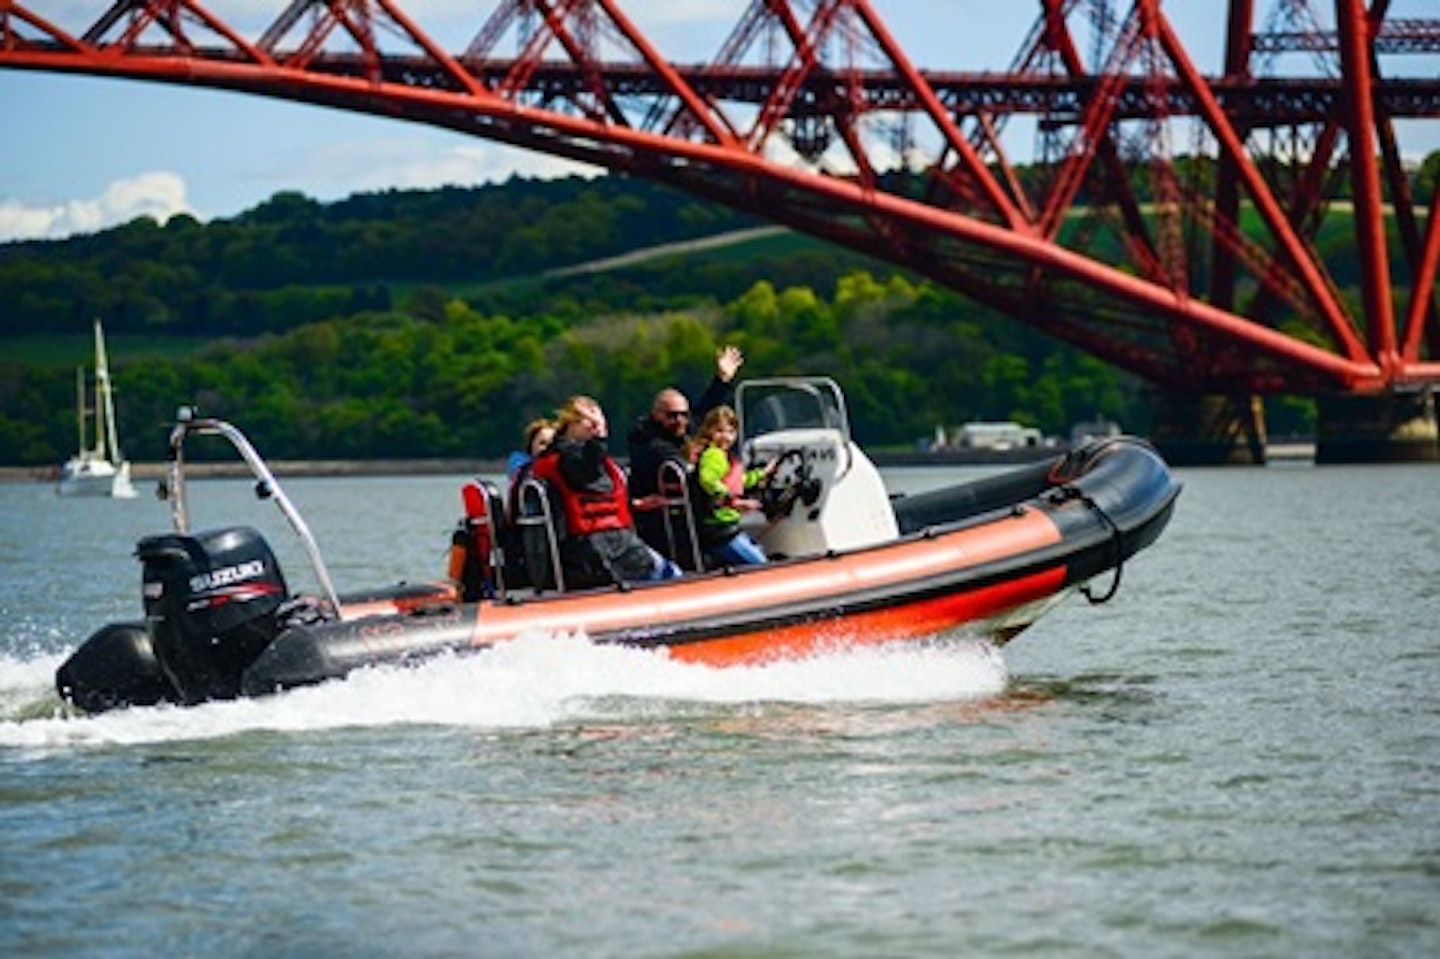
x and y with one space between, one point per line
851 565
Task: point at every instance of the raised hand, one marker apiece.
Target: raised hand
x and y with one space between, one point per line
728 362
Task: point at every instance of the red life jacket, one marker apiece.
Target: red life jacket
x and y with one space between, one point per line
588 510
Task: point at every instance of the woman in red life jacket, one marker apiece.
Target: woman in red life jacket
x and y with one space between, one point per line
724 481
600 544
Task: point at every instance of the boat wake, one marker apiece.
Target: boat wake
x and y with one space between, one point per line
533 682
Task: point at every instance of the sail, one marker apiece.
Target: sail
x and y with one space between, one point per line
109 443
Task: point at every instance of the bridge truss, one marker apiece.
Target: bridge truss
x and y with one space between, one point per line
1167 221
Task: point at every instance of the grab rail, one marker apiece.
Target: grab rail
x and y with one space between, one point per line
673 484
266 486
535 511
480 497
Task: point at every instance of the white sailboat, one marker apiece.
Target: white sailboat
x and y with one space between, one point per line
99 470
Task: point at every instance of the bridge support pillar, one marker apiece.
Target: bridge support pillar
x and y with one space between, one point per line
1394 427
1210 429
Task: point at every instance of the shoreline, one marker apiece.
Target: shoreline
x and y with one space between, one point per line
283 469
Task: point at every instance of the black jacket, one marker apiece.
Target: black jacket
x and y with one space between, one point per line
651 444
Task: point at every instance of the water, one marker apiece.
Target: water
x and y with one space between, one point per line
1238 756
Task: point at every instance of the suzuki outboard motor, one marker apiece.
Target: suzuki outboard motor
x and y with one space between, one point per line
210 603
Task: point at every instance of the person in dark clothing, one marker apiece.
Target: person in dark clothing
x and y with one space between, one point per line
661 436
600 545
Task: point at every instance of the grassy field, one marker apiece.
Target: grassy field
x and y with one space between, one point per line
746 247
63 349
76 349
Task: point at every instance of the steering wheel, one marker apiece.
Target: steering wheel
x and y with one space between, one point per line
787 483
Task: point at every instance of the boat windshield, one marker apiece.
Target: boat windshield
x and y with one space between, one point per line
792 403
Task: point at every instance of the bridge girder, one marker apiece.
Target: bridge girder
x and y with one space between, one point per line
813 115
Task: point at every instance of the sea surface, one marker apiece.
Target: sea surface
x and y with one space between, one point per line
1239 755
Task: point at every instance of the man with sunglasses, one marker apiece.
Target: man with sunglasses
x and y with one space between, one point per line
660 437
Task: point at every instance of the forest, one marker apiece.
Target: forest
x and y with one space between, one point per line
417 324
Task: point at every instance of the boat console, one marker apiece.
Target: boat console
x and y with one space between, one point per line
826 494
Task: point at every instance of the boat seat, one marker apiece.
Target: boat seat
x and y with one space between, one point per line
541 528
477 557
676 509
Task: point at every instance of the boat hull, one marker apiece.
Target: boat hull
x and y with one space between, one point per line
98 478
989 574
980 559
307 655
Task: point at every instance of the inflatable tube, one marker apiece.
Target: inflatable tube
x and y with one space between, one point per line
988 555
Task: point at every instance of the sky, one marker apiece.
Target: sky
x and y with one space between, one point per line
79 154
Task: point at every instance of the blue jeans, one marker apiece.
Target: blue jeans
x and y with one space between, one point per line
665 568
740 550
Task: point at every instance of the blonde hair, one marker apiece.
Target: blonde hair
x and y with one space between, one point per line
705 436
576 409
533 428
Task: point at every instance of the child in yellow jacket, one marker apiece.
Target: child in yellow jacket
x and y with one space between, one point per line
724 482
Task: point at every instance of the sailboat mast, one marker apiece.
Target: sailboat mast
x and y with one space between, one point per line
80 406
105 404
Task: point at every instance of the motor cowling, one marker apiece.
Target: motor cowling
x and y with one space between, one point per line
210 606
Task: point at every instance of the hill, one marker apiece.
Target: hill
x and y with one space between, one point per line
429 324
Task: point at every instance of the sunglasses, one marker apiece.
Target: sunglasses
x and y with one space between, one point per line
677 414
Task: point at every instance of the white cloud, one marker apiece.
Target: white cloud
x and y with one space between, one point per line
160 195
422 164
339 170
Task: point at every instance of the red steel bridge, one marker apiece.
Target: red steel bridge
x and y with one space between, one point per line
1165 219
